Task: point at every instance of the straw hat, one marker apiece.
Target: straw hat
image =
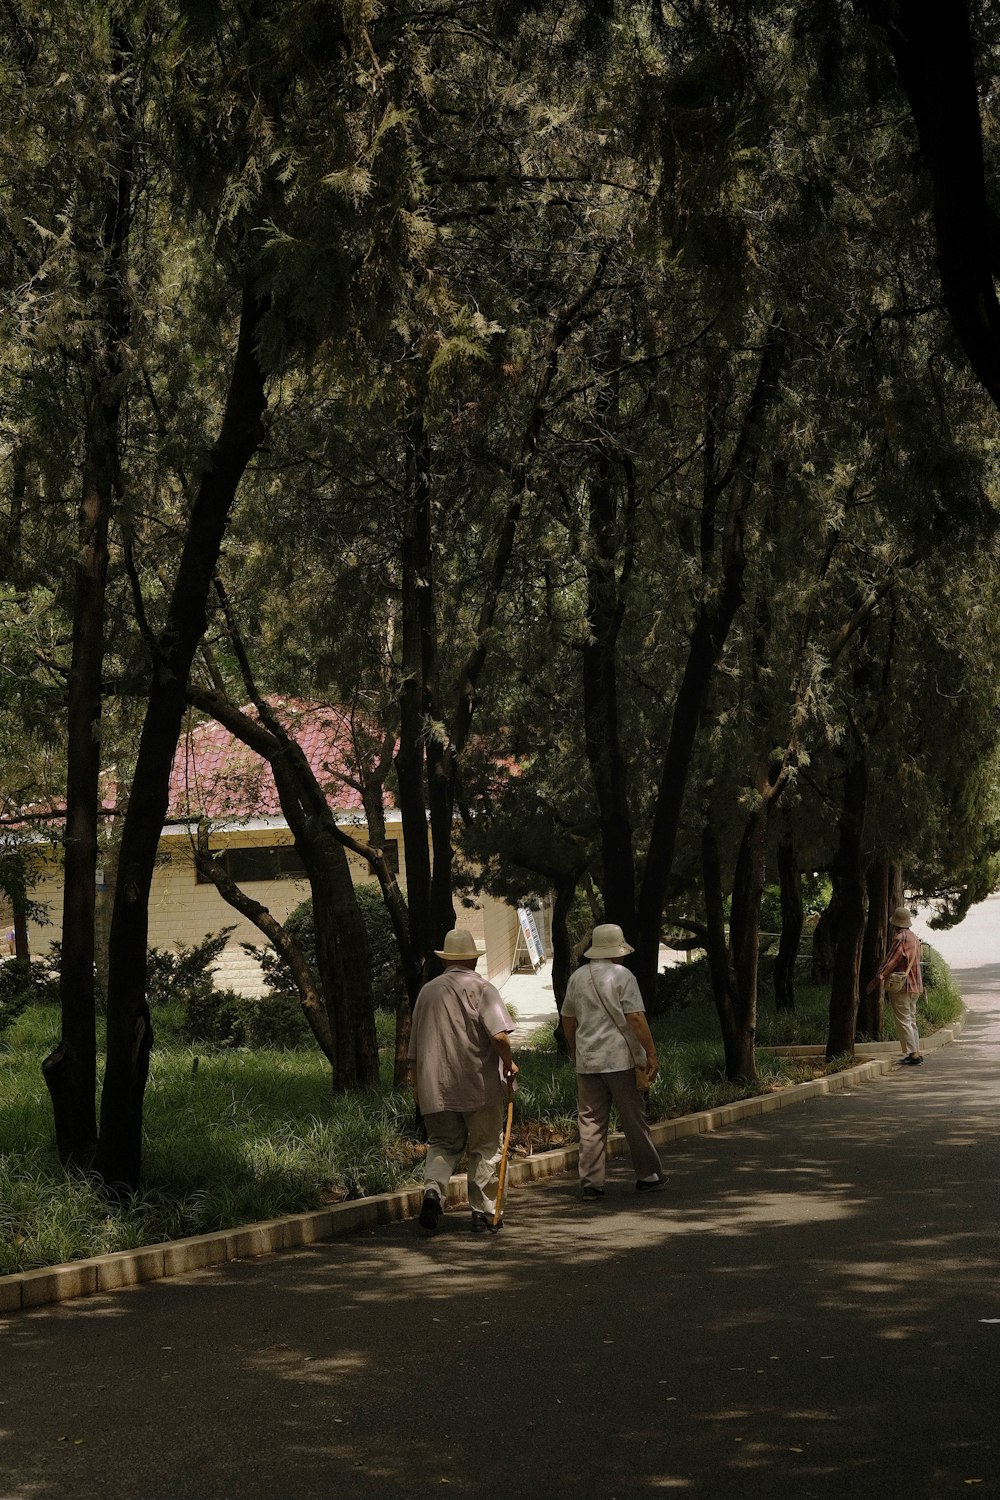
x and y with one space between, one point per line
458 944
902 917
608 941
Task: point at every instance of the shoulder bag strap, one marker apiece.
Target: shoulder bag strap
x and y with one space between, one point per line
622 1024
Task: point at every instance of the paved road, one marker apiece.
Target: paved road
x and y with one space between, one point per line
812 1309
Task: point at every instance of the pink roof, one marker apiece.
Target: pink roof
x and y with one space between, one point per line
216 776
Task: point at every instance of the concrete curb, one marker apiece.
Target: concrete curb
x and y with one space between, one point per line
123 1268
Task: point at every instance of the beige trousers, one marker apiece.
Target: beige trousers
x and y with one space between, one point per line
904 1013
597 1092
448 1135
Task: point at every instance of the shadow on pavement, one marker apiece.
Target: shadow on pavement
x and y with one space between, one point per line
801 1313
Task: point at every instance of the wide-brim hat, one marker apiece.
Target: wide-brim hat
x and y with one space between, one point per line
458 944
902 917
608 941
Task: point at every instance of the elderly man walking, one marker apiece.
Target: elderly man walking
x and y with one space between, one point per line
461 1070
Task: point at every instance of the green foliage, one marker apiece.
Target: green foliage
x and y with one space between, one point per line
384 954
23 984
220 1017
186 971
682 985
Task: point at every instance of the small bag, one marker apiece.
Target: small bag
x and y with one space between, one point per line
897 982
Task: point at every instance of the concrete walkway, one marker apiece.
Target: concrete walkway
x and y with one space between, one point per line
811 1309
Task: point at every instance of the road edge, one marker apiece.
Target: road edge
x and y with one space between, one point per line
24 1290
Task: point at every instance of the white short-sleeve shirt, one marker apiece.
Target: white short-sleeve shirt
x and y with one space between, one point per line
600 1044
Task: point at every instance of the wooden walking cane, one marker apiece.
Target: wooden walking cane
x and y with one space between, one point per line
498 1211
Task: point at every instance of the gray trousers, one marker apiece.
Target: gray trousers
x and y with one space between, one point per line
597 1092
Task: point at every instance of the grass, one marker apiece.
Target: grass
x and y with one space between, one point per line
255 1134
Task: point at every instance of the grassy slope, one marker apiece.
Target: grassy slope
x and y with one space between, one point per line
250 1135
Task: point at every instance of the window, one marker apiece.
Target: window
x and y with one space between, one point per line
251 862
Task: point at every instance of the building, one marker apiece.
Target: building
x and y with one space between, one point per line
217 777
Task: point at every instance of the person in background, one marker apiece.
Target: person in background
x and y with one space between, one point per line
461 1070
901 975
606 1030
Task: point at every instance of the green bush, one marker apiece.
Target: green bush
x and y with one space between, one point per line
23 983
383 953
683 985
271 1020
211 1015
184 973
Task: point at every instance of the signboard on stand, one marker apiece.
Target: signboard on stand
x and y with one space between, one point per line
528 948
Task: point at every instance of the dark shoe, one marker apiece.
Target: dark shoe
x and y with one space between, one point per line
911 1060
430 1212
483 1224
650 1187
593 1192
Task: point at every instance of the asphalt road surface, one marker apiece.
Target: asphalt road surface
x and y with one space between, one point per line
811 1308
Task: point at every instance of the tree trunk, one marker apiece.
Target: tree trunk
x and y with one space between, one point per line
737 1038
825 939
313 1007
606 597
851 914
792 920
130 1034
744 929
342 954
934 53
562 955
70 1071
19 909
404 1017
873 950
413 704
708 637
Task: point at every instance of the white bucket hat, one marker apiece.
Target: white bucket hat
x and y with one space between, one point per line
458 944
902 917
608 941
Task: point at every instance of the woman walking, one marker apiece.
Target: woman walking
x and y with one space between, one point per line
605 1026
901 975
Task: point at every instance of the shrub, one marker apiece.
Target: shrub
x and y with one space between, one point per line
271 1020
23 983
183 974
383 953
682 985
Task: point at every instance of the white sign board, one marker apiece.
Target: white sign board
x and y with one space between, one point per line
529 933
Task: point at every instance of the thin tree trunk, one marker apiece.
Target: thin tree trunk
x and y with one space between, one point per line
825 938
708 637
70 1071
22 945
562 954
873 949
737 1041
792 920
130 1033
606 600
341 937
851 915
313 1007
413 706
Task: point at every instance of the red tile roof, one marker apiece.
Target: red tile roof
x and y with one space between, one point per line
216 776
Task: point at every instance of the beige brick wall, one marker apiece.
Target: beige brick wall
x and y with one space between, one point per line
182 911
500 931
